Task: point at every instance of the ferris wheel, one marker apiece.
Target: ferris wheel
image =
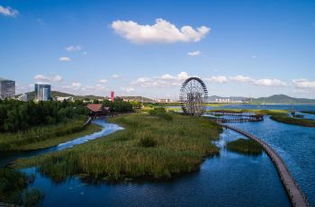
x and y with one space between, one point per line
193 95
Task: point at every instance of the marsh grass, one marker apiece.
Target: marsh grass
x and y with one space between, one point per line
308 112
285 118
44 136
149 147
245 146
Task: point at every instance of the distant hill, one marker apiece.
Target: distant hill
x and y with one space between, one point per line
274 99
282 99
232 98
31 95
137 98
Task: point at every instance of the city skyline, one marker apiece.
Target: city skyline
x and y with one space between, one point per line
239 48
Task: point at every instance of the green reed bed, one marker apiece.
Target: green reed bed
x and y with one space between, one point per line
44 136
308 112
245 146
151 146
285 118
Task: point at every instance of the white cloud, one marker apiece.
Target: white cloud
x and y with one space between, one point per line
179 76
76 84
194 53
217 79
304 83
103 81
64 59
73 48
165 80
51 78
241 78
269 82
99 87
72 86
7 11
127 89
115 76
160 32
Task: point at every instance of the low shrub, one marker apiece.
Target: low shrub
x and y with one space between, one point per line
147 142
161 113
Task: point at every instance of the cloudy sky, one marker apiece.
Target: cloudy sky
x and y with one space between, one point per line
239 48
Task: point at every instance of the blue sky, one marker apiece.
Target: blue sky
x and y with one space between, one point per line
248 48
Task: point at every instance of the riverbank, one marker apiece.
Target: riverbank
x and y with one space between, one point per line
45 136
150 147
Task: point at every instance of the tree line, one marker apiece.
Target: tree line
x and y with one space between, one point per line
19 116
120 106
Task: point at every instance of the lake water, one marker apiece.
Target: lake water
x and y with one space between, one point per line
296 146
230 179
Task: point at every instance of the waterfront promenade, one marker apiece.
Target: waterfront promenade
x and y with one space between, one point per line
295 194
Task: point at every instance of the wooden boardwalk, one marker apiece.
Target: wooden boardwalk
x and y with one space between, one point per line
295 194
235 117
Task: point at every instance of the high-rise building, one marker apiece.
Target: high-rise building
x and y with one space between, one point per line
42 92
112 96
7 88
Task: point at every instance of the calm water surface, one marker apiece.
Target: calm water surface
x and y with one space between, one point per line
295 144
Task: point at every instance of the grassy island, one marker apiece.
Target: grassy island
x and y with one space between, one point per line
152 146
245 146
308 112
285 118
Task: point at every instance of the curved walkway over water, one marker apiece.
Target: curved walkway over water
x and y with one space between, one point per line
231 117
296 196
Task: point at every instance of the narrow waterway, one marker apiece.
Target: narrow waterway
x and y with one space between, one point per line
107 128
230 179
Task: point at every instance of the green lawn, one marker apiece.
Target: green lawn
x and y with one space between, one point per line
150 146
